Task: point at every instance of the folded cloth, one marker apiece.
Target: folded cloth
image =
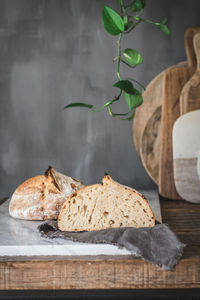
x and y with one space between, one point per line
157 244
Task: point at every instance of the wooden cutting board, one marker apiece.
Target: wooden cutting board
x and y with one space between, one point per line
146 126
147 120
190 95
186 155
173 82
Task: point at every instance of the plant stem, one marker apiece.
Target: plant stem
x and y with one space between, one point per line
136 24
144 20
119 116
149 21
107 104
123 8
127 63
119 55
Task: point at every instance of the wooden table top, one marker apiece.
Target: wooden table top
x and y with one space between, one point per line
113 272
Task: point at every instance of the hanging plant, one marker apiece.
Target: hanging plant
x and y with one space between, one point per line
118 25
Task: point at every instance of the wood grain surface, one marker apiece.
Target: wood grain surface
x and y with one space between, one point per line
146 126
187 180
173 82
146 123
190 95
186 150
144 113
189 48
113 273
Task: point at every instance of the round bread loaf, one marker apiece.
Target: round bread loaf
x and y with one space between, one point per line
41 197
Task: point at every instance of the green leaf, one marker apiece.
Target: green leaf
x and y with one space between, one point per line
164 21
133 57
78 104
125 86
138 5
133 100
141 85
112 21
164 29
125 19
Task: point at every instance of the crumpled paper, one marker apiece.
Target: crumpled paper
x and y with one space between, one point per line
158 245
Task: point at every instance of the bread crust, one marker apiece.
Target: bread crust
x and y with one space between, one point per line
106 178
41 197
26 201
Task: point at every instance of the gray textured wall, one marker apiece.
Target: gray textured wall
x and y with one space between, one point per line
55 52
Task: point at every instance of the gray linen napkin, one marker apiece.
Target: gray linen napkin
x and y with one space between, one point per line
157 244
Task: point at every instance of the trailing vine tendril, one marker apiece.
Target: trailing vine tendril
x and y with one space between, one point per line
117 25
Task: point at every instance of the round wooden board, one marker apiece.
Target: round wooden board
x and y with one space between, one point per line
146 125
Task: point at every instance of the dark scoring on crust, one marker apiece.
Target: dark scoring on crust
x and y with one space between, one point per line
46 173
49 172
75 179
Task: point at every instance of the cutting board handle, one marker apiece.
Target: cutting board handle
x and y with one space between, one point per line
191 56
197 49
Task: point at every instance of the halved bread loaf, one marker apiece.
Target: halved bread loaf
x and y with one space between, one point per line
41 197
110 205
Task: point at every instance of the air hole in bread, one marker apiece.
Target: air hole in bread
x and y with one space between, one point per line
126 217
84 209
111 222
144 210
139 202
74 201
68 217
105 214
121 224
73 186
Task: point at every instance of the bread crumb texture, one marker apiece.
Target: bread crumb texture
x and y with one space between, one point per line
110 205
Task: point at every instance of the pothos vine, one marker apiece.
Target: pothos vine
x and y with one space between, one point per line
119 24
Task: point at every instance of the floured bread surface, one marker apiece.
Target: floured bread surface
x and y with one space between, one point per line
110 205
26 202
57 188
41 197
